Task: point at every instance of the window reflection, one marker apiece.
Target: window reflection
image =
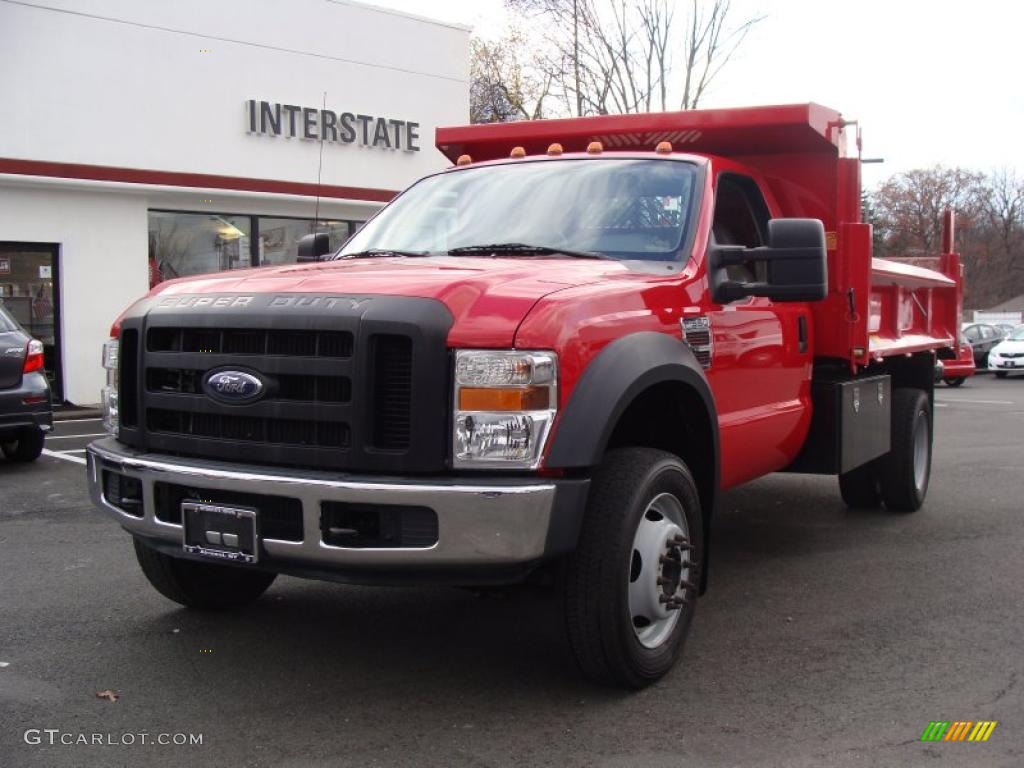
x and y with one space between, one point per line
279 237
192 244
182 244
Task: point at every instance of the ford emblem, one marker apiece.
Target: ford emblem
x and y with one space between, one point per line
233 386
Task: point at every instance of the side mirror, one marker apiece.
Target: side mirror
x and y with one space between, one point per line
312 247
795 263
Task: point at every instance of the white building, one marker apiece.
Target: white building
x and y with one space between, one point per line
144 140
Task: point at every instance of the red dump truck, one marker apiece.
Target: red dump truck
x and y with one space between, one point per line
543 363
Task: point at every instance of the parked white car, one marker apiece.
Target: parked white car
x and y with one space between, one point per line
1008 355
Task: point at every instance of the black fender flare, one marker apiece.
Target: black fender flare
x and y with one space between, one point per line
610 383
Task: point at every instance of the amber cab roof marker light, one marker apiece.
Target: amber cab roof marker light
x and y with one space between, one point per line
555 149
464 160
664 148
517 152
595 148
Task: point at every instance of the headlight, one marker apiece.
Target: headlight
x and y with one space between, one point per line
505 404
109 392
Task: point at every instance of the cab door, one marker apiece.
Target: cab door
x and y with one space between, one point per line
761 357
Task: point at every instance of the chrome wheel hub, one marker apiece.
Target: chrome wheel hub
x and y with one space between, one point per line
660 570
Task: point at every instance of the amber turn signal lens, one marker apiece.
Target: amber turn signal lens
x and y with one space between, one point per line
510 399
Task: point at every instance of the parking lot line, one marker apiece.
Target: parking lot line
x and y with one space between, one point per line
978 402
64 456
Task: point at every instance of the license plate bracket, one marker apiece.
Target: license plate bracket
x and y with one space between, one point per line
219 532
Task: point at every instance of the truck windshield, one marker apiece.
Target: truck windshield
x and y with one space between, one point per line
617 208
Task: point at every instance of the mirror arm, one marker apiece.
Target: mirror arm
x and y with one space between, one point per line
730 255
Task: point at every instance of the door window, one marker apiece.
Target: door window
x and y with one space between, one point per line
741 218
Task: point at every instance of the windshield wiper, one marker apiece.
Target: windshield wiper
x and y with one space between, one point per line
383 252
526 249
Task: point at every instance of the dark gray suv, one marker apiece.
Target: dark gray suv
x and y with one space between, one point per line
26 413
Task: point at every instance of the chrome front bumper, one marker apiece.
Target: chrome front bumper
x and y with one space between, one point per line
486 522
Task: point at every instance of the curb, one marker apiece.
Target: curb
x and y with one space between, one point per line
66 414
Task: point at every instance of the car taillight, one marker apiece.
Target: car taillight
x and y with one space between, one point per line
34 358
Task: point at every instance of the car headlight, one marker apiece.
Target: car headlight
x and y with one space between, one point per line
504 406
109 392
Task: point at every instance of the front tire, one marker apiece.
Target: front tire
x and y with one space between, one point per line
27 447
205 586
1000 374
955 382
631 586
906 469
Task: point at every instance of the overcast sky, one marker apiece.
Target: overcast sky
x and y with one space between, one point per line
930 82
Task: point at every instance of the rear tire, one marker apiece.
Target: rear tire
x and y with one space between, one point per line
955 382
205 586
905 471
1000 374
861 488
631 586
27 447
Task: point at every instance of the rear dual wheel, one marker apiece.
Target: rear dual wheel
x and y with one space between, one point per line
630 588
900 477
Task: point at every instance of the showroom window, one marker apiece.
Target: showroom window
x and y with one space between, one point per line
279 237
184 243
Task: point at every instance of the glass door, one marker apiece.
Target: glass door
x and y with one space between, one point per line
29 290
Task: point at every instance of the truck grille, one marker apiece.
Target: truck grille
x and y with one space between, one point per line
338 391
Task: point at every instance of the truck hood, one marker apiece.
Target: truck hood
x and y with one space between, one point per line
488 297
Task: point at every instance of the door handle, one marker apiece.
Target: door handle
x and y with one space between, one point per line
801 327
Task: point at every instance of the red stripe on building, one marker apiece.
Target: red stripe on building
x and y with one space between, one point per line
177 179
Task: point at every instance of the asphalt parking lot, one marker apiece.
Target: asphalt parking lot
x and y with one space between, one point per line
829 637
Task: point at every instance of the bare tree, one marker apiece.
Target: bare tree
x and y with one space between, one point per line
1002 206
610 56
710 44
507 82
910 206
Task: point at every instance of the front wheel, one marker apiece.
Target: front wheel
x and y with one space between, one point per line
631 586
201 585
1000 374
955 382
